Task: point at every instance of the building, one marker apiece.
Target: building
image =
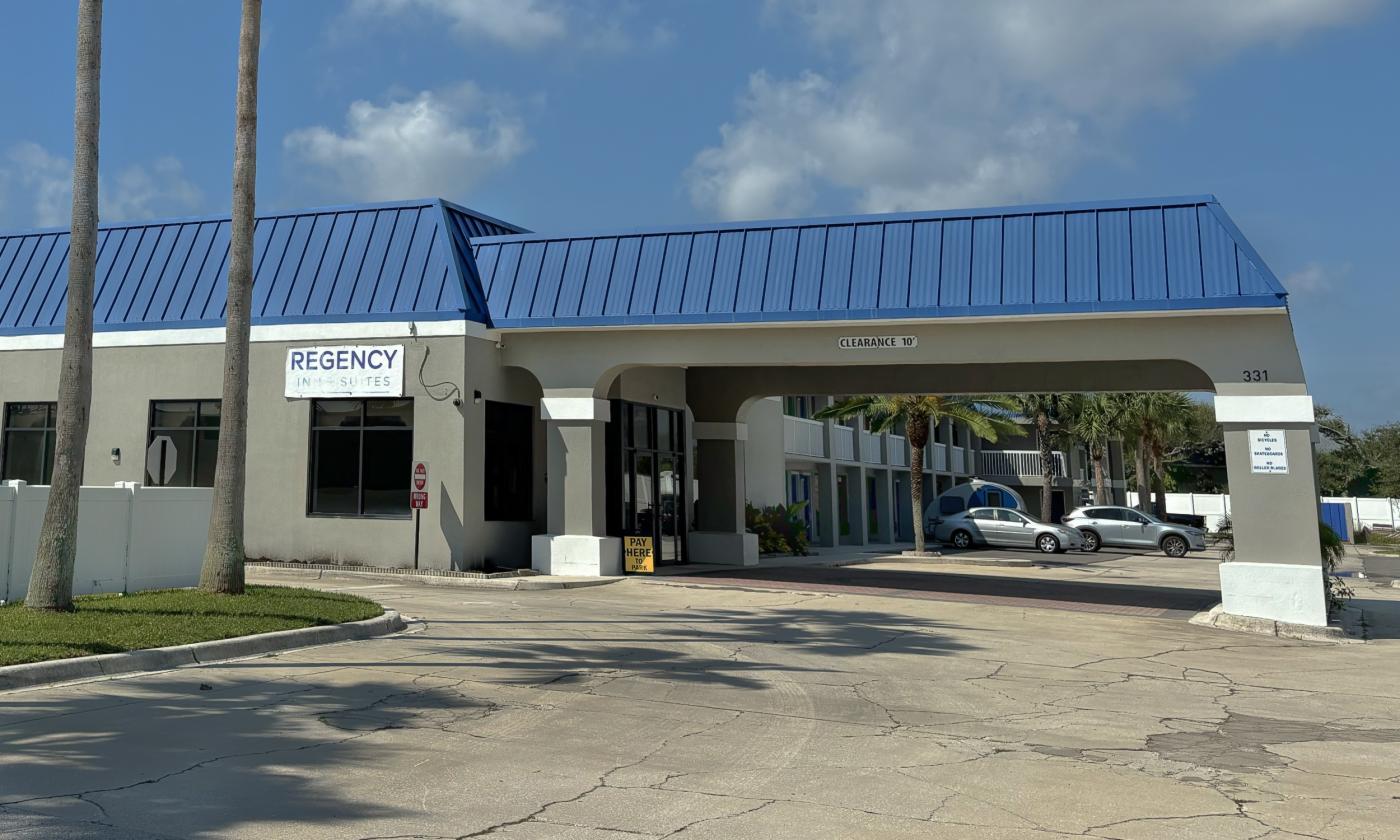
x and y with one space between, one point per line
568 390
838 470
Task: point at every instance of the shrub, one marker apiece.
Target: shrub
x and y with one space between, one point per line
781 529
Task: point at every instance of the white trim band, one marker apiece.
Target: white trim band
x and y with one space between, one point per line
720 431
348 331
1291 592
1295 408
574 408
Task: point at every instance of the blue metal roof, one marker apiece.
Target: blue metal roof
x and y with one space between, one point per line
385 261
1111 256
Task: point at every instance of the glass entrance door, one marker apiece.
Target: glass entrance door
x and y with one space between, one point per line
653 478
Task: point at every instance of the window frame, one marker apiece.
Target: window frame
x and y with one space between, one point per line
49 431
152 428
312 453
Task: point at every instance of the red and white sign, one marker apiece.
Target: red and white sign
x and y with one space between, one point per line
418 496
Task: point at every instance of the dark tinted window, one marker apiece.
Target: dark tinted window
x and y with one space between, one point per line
28 442
1009 516
361 455
182 444
509 461
951 504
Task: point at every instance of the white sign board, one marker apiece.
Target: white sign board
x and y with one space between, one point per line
877 342
1268 452
357 370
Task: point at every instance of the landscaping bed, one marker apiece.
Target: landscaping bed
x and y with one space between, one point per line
161 618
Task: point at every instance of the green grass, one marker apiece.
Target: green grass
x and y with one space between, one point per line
115 623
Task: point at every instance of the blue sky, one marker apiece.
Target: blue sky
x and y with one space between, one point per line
582 114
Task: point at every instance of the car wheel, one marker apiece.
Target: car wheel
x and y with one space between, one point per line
1048 543
1174 546
961 539
1092 541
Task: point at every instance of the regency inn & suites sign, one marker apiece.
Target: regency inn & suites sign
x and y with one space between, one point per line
345 371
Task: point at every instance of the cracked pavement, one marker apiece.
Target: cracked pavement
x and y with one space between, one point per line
638 710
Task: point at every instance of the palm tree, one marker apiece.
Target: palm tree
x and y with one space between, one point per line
985 416
1156 418
1043 410
1095 420
223 553
51 580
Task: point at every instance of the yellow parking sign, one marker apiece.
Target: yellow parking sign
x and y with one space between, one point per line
638 555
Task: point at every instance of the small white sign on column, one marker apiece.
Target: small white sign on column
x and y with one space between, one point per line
1268 452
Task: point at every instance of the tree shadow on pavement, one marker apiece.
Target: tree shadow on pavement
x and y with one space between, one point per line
193 752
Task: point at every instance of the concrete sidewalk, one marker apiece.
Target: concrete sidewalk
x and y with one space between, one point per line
694 712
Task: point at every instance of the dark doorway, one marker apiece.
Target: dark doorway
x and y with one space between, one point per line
647 477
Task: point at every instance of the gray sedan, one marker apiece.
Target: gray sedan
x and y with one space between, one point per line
1004 527
1129 528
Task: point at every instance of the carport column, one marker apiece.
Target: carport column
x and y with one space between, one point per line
884 506
857 506
720 535
577 542
1277 569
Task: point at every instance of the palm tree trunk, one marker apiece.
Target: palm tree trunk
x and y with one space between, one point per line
1100 482
51 580
224 553
1159 486
1140 467
916 427
1047 465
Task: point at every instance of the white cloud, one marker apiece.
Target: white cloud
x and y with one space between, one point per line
1317 278
435 143
45 183
947 104
515 23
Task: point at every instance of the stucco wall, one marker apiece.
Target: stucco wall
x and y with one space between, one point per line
450 437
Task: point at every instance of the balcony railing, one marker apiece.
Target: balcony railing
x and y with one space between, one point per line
940 457
804 437
957 460
843 443
898 450
1021 462
870 448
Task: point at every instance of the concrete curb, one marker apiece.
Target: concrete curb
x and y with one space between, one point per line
951 560
33 674
1217 617
533 582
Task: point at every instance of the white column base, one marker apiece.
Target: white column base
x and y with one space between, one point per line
1277 591
723 548
567 554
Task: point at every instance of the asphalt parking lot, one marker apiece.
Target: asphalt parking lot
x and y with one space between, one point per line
683 709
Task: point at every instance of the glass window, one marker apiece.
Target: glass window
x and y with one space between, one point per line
29 442
983 514
950 504
182 443
1009 516
361 454
1102 513
509 462
641 427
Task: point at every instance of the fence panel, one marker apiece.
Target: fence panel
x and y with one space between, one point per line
169 526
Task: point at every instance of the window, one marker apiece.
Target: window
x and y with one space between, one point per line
1009 516
984 514
183 443
509 462
361 455
29 442
950 504
1103 513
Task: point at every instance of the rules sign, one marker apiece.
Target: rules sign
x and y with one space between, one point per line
638 555
418 495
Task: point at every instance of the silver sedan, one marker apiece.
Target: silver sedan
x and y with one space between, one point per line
1004 527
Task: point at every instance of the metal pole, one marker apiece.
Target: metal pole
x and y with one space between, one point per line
417 518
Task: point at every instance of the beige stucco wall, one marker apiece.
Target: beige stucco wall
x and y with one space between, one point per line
449 437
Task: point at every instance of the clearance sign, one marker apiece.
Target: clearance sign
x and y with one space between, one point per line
638 555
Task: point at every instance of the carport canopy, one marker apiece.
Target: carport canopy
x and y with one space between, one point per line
1156 294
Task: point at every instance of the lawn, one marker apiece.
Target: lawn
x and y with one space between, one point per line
114 623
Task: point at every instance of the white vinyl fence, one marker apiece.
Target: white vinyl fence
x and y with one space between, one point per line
1365 512
130 537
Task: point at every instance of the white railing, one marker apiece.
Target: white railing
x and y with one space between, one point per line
898 450
940 457
1021 462
843 443
804 437
957 456
870 448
